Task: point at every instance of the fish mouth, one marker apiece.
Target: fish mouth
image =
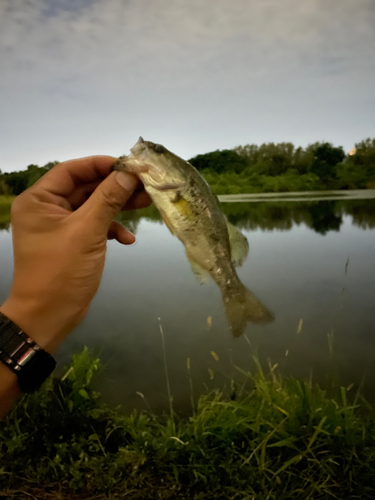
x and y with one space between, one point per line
140 153
138 160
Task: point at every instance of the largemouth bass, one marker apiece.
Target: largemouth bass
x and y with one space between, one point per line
192 213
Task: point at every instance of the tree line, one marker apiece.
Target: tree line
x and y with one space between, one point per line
252 168
284 167
14 183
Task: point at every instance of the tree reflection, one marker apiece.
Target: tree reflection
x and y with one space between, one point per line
324 218
131 218
362 212
320 216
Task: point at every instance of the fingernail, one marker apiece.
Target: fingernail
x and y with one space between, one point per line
127 181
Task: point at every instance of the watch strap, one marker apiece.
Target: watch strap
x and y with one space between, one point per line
24 356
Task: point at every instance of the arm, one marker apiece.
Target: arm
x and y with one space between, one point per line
60 229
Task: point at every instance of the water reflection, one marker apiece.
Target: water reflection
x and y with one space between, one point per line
320 216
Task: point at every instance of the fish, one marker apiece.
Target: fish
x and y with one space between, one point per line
191 211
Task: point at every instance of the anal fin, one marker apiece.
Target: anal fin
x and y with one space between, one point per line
200 273
238 244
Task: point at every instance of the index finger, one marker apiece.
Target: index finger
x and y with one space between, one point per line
63 179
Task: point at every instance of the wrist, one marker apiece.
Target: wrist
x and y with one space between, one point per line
37 321
23 356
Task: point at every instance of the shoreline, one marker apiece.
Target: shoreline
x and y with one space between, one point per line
350 194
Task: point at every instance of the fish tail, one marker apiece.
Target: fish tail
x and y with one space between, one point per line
243 307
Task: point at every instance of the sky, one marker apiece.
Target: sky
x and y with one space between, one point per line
83 77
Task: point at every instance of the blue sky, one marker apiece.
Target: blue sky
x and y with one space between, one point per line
90 76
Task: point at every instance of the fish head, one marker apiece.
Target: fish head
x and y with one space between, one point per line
156 166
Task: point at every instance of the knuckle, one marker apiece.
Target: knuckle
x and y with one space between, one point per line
110 199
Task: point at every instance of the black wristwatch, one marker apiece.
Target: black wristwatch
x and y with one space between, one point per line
23 356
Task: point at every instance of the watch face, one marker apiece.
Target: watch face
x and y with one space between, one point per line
23 356
34 373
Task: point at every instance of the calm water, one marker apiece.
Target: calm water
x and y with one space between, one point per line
313 261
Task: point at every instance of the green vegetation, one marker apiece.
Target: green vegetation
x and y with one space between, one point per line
5 203
282 167
260 169
16 182
264 437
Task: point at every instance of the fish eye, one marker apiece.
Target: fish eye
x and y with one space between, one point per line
158 148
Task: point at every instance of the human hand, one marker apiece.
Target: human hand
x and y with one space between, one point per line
60 229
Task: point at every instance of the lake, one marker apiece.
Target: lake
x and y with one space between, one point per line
311 262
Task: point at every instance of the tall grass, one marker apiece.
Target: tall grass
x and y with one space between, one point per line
281 438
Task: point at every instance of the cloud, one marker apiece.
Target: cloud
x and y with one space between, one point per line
220 72
174 44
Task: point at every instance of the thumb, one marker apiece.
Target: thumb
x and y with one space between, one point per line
108 199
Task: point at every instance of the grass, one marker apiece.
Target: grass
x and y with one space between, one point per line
272 438
5 203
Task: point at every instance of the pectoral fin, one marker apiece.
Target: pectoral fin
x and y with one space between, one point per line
238 244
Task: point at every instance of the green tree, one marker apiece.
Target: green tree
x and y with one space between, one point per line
226 160
4 189
303 158
250 152
34 172
17 181
279 157
268 159
358 170
326 157
365 153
